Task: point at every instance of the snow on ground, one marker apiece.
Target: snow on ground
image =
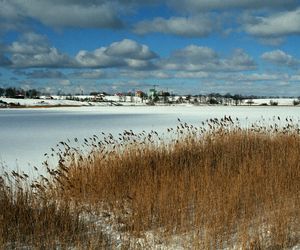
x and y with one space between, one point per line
26 134
62 101
115 100
268 101
43 102
110 225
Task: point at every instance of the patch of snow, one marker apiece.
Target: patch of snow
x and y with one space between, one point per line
268 101
43 102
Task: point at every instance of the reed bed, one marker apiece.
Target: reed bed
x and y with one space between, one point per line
212 186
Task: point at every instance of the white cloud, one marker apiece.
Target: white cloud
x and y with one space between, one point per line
180 26
130 49
65 13
280 58
279 24
52 58
295 78
124 53
196 58
198 75
41 74
64 82
204 5
93 74
273 41
195 54
97 59
239 61
256 77
33 51
155 74
139 64
29 44
8 10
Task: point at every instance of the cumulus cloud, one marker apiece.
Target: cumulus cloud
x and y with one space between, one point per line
196 53
230 76
65 13
29 44
204 5
295 78
124 53
140 64
97 59
196 58
43 74
180 26
93 74
253 77
273 41
52 59
197 75
154 74
8 10
239 61
64 82
193 55
131 50
34 51
279 57
279 24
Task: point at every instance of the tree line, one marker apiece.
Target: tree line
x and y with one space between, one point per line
213 98
11 92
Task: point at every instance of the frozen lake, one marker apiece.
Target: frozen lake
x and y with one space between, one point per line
26 134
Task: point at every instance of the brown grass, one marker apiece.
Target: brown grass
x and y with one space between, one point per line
29 220
216 186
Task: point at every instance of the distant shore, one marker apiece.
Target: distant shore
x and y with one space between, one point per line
111 101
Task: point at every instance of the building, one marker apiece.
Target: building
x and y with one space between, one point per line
152 93
139 93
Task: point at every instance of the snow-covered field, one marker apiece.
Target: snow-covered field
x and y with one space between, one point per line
127 101
62 101
26 134
42 102
268 101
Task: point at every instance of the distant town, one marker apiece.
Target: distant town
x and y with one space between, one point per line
17 97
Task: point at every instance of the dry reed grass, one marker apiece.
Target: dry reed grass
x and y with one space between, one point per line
220 185
29 221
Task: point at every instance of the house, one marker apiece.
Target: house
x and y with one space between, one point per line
19 96
139 93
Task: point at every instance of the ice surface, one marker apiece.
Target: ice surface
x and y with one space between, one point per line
26 134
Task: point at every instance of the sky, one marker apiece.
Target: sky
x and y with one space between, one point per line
180 46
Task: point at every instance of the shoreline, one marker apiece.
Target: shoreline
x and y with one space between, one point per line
159 105
139 106
112 101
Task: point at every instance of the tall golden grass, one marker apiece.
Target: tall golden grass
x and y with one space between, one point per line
216 186
30 220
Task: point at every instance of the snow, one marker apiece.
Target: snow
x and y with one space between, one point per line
108 223
115 100
279 101
63 101
27 134
43 102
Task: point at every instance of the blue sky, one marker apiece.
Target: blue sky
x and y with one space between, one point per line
184 46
